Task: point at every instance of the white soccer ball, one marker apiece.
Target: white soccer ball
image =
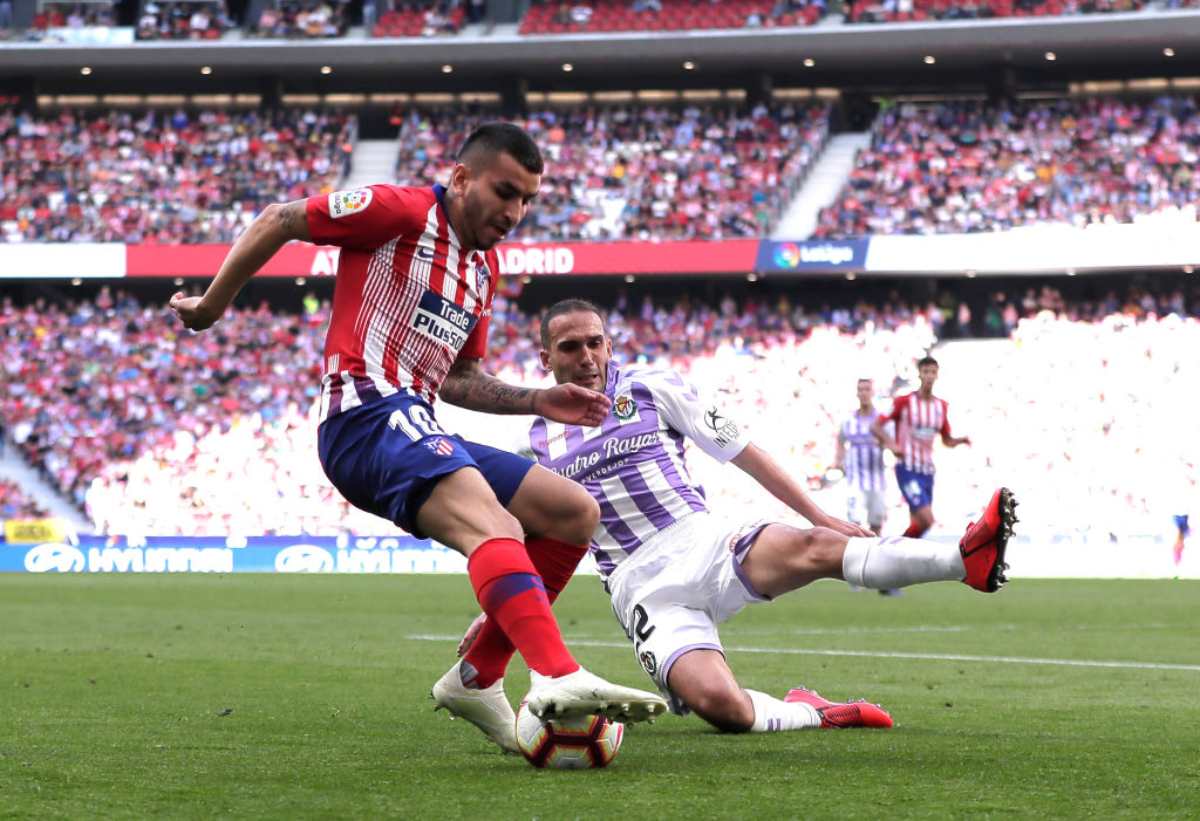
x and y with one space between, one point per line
569 743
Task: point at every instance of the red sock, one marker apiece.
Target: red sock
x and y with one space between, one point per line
491 651
915 530
513 595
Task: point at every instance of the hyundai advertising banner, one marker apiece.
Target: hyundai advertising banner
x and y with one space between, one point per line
812 257
266 554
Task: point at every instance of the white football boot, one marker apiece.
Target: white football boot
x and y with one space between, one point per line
488 709
583 693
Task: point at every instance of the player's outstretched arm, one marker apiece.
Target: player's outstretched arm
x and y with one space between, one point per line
270 231
468 386
954 441
771 475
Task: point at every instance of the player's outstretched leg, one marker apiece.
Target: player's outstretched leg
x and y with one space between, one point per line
836 716
984 544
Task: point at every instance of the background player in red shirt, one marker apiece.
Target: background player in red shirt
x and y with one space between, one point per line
919 417
416 276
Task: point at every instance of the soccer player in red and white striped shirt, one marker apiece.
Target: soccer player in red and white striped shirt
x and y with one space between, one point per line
416 275
920 417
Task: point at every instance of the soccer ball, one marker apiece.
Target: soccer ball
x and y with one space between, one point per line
568 743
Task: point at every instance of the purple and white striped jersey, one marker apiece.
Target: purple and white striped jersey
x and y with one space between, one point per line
633 463
864 454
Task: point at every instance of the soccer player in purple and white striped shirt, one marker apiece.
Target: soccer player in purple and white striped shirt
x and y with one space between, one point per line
860 457
675 571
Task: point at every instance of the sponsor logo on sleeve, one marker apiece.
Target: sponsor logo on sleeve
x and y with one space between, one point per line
726 430
345 203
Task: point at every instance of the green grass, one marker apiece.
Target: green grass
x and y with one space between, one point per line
307 697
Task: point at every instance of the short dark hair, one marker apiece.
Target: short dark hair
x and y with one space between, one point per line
568 306
503 138
926 360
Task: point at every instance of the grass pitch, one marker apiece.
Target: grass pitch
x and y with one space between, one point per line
307 697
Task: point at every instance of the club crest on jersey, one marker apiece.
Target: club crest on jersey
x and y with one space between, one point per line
624 407
439 446
649 662
345 203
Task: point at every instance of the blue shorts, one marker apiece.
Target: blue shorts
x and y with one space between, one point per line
387 456
1181 522
916 487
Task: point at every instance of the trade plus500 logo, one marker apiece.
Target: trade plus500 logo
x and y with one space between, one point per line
54 558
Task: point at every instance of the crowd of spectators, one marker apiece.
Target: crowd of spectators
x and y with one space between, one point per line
303 19
711 171
967 167
570 16
52 16
187 20
420 18
15 503
899 11
160 176
154 431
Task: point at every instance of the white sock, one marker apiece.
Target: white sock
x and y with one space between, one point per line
772 715
894 561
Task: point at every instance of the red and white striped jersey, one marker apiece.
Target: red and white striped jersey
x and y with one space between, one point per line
408 301
918 422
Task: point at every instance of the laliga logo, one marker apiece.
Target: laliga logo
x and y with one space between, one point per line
304 558
54 558
787 255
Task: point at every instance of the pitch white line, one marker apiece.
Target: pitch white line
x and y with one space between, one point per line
875 654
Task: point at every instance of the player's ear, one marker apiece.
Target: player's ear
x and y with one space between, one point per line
459 178
544 356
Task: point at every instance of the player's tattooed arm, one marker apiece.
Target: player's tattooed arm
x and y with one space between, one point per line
292 219
270 231
468 386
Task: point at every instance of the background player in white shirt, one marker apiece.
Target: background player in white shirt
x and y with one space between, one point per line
860 458
675 571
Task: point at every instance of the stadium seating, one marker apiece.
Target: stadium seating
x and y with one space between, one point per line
302 19
16 504
161 176
421 19
183 20
698 171
967 167
900 11
160 431
549 17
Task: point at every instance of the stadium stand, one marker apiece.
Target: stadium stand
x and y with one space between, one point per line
417 18
900 11
153 431
565 17
16 504
967 167
183 20
302 19
708 171
161 176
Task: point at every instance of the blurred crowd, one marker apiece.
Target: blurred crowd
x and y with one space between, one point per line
969 167
188 20
303 19
899 11
15 503
569 16
711 171
161 176
153 430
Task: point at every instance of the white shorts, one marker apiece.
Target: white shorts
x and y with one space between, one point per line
671 594
865 507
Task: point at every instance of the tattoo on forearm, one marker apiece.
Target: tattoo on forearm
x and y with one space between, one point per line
476 390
